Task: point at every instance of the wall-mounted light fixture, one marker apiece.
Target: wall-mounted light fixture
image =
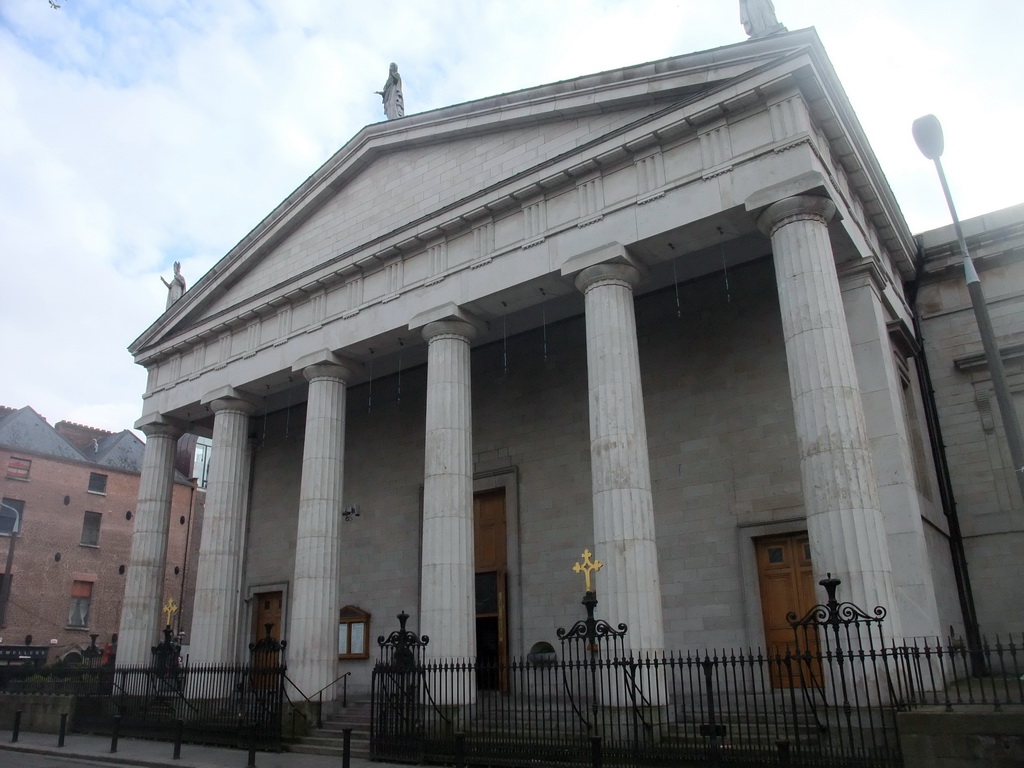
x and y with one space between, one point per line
349 512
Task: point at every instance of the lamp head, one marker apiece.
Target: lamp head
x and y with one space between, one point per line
928 135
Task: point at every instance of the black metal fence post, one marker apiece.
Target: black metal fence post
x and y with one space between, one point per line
460 750
784 758
596 758
63 729
179 731
115 734
346 747
252 747
17 726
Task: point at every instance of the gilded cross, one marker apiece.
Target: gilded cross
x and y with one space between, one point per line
170 608
587 567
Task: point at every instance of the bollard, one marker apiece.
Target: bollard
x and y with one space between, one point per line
17 726
115 734
460 750
252 747
179 731
595 751
63 729
346 747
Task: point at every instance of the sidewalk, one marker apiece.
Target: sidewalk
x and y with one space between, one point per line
159 754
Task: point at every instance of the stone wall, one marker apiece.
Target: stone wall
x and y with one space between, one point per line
40 713
932 738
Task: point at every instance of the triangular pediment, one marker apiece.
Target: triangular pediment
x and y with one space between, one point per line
382 189
408 202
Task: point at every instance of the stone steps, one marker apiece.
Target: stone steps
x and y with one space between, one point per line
330 739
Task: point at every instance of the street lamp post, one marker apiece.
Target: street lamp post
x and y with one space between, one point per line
928 135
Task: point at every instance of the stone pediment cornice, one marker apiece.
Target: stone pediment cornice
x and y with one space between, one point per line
684 97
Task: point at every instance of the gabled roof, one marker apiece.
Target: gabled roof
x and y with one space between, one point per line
632 93
25 430
122 451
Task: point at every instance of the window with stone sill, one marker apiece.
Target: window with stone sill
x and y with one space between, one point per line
91 529
18 469
97 483
353 633
81 597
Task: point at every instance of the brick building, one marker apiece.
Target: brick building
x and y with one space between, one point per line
663 313
69 499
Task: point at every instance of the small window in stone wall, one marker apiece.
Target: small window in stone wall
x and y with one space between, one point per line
353 633
18 469
91 529
81 597
97 483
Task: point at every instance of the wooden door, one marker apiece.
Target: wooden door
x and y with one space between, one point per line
787 586
267 611
489 536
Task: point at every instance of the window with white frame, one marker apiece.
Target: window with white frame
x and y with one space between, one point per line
81 598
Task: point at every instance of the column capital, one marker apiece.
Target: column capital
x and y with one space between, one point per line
448 318
158 426
229 398
325 364
236 404
449 327
796 208
609 272
160 429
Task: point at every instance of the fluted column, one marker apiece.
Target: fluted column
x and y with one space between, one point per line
447 607
215 615
624 539
844 521
143 592
313 629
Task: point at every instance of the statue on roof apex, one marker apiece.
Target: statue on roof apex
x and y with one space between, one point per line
394 101
176 287
758 18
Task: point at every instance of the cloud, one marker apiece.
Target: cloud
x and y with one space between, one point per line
140 132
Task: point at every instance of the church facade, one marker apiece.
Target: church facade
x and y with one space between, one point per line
657 313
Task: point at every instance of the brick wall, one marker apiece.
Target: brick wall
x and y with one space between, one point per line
56 498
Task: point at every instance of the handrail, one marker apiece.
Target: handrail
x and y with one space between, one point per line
319 695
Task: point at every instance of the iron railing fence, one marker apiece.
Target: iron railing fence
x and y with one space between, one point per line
714 708
216 704
954 674
831 706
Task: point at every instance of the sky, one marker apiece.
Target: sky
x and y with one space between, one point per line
137 133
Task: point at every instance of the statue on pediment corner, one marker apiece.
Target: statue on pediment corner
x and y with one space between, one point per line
176 287
758 18
394 101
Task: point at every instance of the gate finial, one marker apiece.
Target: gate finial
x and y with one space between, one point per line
587 567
